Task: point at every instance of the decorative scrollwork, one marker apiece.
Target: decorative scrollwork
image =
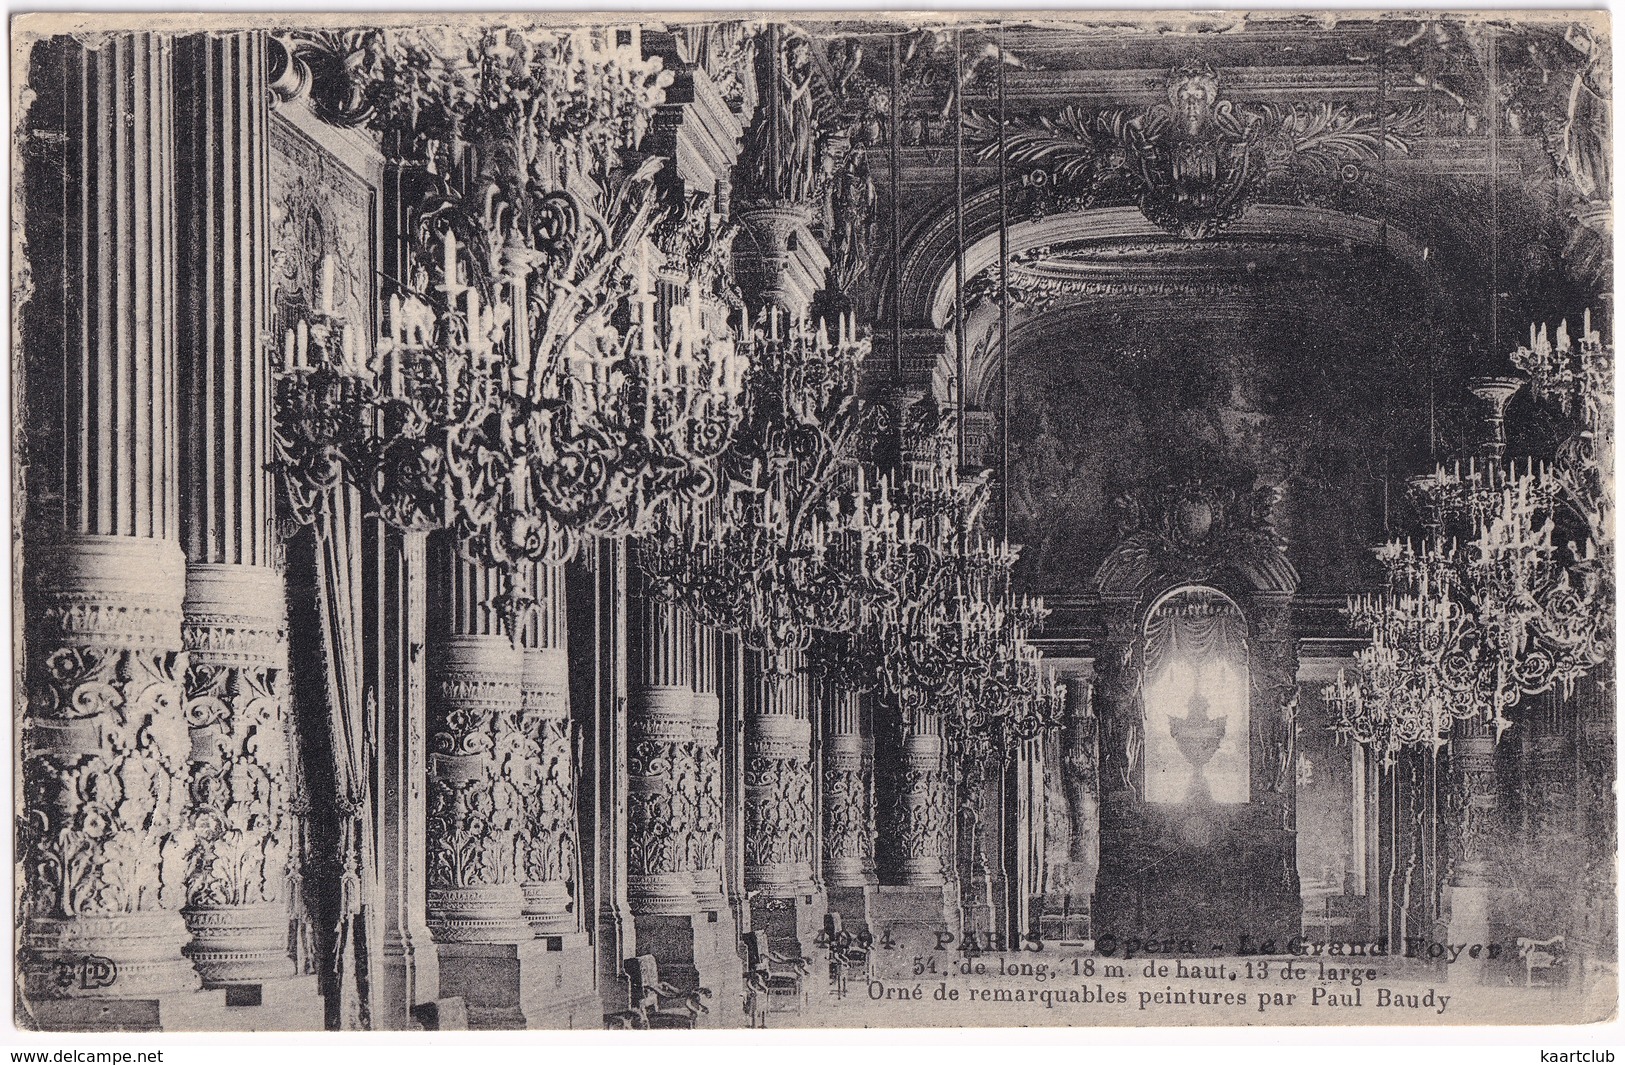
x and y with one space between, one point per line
1196 163
778 811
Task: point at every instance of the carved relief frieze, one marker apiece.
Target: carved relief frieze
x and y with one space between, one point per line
1195 163
660 818
848 813
104 836
707 837
921 815
104 774
479 770
778 811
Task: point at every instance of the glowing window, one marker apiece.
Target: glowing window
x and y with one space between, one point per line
1196 713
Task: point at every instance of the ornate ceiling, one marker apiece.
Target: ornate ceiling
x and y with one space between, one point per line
1260 246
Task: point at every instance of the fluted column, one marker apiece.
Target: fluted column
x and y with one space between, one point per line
395 577
660 760
778 780
477 764
103 838
708 770
234 627
597 587
849 817
547 839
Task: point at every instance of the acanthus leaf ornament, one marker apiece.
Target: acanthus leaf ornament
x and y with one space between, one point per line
1194 164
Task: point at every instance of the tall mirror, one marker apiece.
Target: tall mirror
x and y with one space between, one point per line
1196 705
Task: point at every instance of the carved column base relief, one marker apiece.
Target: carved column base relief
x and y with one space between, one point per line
848 813
104 837
921 816
236 708
548 835
475 775
708 887
661 775
778 805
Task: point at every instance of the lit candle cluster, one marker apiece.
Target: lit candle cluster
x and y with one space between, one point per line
1487 608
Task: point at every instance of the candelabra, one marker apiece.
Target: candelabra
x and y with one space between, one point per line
519 444
529 390
1468 625
780 551
945 633
1426 666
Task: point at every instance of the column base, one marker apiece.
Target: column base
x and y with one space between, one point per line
540 983
697 950
910 921
187 1011
854 904
293 1004
547 908
716 939
792 922
132 956
557 983
1469 923
616 941
238 946
410 979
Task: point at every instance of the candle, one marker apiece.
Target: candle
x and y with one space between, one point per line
301 344
449 264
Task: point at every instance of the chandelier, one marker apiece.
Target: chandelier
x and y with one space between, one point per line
1425 666
947 635
530 390
786 546
1493 606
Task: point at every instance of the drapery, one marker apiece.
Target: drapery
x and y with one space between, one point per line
1196 624
338 580
325 612
1196 666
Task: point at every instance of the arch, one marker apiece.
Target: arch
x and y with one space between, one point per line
1195 697
926 291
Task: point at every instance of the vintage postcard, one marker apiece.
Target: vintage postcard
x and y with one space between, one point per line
812 521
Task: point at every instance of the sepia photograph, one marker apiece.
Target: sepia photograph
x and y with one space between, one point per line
838 520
